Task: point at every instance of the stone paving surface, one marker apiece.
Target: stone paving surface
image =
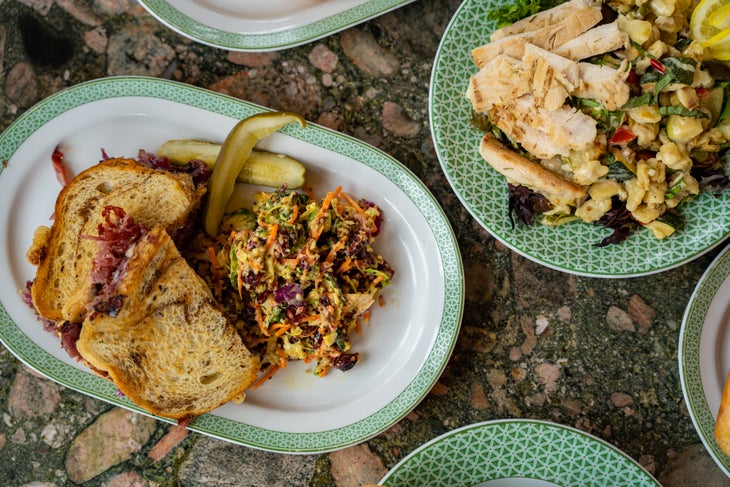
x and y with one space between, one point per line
599 355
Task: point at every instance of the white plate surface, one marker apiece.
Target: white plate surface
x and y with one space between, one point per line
404 347
253 25
704 352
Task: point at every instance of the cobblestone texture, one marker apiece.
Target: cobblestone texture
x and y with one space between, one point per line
599 355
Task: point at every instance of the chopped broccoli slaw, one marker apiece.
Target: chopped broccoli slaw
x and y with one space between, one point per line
300 275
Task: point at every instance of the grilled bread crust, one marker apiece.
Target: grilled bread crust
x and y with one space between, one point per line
170 348
64 258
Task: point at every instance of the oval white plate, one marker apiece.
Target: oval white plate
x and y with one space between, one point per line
403 349
704 352
517 453
483 191
252 25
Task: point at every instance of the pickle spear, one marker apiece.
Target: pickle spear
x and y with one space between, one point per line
262 167
233 155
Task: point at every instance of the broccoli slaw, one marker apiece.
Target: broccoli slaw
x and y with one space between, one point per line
300 276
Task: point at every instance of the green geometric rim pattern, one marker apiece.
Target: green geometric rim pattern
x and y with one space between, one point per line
483 191
690 337
512 449
35 357
197 31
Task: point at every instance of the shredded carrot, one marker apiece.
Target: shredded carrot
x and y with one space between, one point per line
282 357
345 266
294 215
268 374
312 318
213 258
280 328
339 245
325 371
239 281
376 281
260 320
273 232
328 201
309 192
353 203
253 265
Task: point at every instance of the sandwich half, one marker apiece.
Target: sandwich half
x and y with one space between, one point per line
157 332
63 255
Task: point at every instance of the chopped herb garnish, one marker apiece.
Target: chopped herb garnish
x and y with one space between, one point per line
684 112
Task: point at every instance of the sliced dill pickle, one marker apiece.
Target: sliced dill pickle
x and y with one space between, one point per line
233 156
262 167
181 151
274 170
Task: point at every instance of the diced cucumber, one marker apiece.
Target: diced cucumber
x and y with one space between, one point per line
713 102
683 129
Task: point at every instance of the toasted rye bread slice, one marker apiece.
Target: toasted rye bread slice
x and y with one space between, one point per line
152 197
169 349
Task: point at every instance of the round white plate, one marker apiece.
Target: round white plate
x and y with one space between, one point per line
253 25
704 352
403 349
517 453
483 191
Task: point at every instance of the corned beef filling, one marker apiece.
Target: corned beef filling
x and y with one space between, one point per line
116 238
199 173
117 235
68 332
197 169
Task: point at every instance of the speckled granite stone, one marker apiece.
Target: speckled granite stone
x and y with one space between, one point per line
599 355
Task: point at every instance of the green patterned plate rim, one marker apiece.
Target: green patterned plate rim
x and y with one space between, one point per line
435 333
703 352
198 30
518 449
570 247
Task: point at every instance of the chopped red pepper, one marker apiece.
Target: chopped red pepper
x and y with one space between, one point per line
633 78
622 135
702 92
57 159
656 64
645 155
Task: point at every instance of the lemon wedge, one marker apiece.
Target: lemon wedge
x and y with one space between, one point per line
699 24
722 37
720 18
721 52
